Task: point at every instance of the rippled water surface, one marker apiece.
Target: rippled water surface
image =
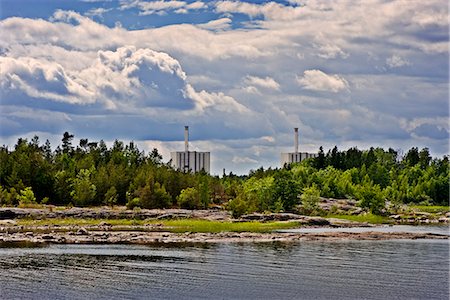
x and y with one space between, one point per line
441 229
406 269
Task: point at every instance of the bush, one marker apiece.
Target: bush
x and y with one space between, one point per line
154 196
135 202
371 197
84 190
26 197
189 198
311 198
239 206
111 196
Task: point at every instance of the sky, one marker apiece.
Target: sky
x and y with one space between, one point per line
241 74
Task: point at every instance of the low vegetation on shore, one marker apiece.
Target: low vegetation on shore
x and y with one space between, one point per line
373 183
175 226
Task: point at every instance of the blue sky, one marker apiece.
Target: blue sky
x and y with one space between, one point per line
242 74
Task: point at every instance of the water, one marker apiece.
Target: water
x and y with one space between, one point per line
390 269
441 229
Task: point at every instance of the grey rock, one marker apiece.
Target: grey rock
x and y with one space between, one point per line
82 231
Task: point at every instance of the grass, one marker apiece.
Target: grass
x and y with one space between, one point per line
431 208
177 226
192 225
80 222
369 218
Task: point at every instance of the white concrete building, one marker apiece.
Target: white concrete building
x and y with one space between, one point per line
190 161
295 157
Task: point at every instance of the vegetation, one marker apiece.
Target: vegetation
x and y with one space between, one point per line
432 209
176 226
368 218
91 174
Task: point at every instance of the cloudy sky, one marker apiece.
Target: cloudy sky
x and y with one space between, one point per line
241 74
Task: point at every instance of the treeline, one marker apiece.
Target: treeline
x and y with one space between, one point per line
91 174
374 177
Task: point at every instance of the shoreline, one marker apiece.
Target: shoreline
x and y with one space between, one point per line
28 226
83 236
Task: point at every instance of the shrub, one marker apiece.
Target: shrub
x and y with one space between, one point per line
111 196
135 202
371 197
310 198
26 197
189 198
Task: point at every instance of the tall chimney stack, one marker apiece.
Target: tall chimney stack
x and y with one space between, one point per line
296 140
186 138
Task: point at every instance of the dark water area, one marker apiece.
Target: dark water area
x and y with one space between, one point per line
389 269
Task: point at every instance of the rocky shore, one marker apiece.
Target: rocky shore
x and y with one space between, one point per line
113 214
83 236
103 232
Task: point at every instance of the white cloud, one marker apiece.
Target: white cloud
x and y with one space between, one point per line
270 10
266 83
317 80
140 77
219 101
328 51
97 12
236 80
219 24
396 61
42 79
162 7
243 160
196 5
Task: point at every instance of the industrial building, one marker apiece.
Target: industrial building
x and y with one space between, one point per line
295 157
190 161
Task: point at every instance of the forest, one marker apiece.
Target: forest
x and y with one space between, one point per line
92 174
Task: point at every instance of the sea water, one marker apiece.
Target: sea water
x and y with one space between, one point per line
347 269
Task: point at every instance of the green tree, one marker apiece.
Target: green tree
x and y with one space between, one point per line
67 142
286 189
370 196
111 196
154 195
424 158
412 158
83 190
310 199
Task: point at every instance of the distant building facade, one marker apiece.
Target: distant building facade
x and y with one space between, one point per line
190 161
295 157
289 158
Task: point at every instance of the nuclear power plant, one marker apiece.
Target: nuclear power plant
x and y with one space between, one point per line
190 161
295 157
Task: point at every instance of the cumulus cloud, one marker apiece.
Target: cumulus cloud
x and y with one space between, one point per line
317 80
141 77
41 79
219 101
269 10
236 75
